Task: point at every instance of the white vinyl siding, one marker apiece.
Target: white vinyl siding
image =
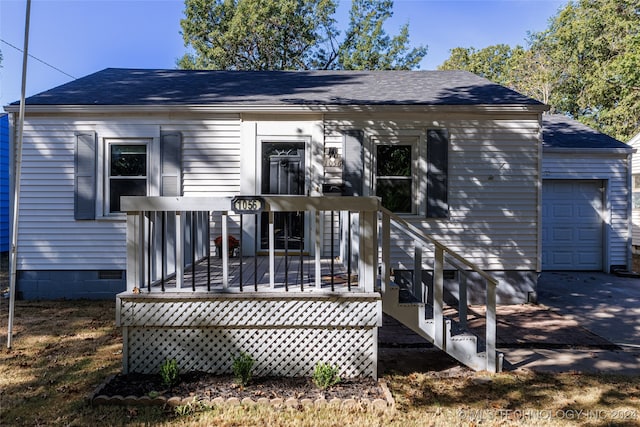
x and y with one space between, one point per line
635 208
613 170
46 217
210 157
493 189
635 168
493 182
49 236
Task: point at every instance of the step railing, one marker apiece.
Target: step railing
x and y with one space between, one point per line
441 255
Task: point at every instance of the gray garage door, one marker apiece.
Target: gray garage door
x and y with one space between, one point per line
572 225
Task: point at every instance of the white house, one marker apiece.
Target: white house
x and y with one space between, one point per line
635 186
337 186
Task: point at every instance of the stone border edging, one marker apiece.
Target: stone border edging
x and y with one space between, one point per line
386 404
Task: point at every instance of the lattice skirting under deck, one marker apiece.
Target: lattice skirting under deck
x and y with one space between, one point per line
287 334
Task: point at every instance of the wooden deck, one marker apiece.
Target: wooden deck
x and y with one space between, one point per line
254 272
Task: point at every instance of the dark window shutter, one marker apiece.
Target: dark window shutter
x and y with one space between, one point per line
437 171
85 176
353 162
171 164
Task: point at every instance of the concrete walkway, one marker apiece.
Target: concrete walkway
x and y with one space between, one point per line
583 322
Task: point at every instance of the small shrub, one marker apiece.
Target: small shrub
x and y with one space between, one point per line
242 367
169 372
325 375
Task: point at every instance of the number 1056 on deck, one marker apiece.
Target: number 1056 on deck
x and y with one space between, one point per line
247 204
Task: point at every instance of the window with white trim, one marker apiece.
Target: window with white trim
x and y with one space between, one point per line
395 173
394 177
410 172
127 171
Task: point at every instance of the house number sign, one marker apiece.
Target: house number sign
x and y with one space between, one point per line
247 204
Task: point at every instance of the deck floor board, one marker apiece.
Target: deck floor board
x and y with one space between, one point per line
284 278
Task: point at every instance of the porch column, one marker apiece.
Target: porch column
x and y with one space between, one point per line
368 250
134 252
180 228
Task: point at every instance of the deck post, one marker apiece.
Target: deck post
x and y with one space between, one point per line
462 299
491 327
438 292
318 251
225 250
272 253
368 250
133 250
417 271
180 229
386 252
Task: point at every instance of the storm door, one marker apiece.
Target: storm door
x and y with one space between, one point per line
283 172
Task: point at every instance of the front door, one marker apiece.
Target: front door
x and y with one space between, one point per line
283 172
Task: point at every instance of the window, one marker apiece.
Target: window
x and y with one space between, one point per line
144 162
127 172
394 177
410 172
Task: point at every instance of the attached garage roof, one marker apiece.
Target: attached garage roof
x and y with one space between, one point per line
139 87
562 133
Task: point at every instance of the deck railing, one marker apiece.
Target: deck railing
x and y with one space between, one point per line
169 245
169 241
442 256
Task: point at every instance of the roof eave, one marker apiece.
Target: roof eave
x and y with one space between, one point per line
272 108
579 150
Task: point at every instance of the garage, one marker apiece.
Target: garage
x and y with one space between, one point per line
585 200
572 226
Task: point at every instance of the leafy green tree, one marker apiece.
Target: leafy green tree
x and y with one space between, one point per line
595 48
531 72
368 47
493 62
291 35
585 64
257 34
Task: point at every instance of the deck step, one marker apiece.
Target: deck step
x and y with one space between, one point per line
461 344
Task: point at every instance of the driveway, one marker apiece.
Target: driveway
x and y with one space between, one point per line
605 304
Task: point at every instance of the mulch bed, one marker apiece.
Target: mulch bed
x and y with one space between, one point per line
203 385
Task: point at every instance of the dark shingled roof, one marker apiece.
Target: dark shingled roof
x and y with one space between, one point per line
115 86
559 131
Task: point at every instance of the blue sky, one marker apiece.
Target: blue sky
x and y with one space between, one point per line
80 37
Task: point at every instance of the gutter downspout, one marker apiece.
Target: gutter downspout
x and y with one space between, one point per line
16 182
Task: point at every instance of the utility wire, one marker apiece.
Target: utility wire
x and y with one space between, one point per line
38 59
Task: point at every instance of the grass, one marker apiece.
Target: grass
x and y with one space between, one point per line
63 350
